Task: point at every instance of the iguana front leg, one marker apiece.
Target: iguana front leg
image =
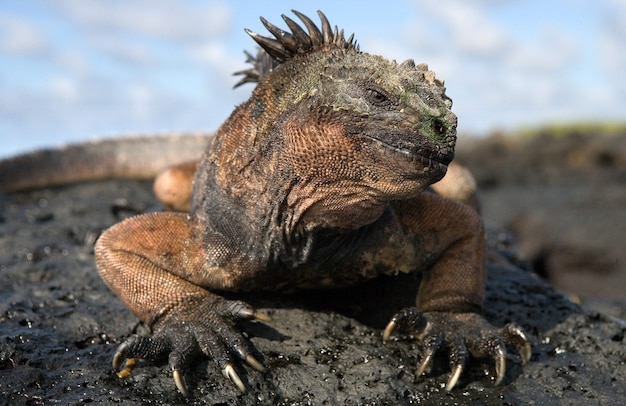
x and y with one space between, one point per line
156 263
451 293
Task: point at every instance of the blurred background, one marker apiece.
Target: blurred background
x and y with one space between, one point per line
539 88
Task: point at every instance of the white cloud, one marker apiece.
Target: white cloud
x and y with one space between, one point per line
140 70
214 55
145 33
64 89
141 100
72 62
466 26
611 44
125 49
553 51
474 33
163 19
20 36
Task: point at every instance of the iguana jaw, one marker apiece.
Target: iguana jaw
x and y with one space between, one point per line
419 160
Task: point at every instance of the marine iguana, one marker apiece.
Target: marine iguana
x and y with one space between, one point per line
317 181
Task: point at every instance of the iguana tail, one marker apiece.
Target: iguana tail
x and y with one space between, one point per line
138 157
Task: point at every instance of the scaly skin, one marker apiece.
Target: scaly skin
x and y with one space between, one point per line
318 180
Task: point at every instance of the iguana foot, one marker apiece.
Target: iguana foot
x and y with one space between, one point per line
207 330
463 334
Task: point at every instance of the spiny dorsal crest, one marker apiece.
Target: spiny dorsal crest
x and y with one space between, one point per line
285 45
429 76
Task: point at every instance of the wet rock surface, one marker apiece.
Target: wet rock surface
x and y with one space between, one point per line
60 325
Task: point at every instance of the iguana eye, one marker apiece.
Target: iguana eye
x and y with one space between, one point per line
376 95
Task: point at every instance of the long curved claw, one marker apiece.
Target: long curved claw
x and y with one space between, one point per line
516 336
500 369
525 352
431 346
262 316
179 380
500 359
406 319
254 363
426 363
389 330
230 373
458 358
239 310
454 377
128 368
118 361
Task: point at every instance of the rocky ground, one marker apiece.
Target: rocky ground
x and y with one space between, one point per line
60 325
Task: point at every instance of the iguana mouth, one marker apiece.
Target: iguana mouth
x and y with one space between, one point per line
426 157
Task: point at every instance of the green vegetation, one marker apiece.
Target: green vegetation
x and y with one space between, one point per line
611 128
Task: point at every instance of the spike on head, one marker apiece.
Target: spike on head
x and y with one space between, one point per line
302 38
287 40
409 64
285 46
429 76
317 38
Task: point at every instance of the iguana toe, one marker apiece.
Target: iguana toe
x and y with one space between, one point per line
137 346
431 346
458 358
516 336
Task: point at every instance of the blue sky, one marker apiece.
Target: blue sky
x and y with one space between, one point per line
72 70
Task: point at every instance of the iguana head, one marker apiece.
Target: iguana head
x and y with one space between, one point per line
346 123
395 119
